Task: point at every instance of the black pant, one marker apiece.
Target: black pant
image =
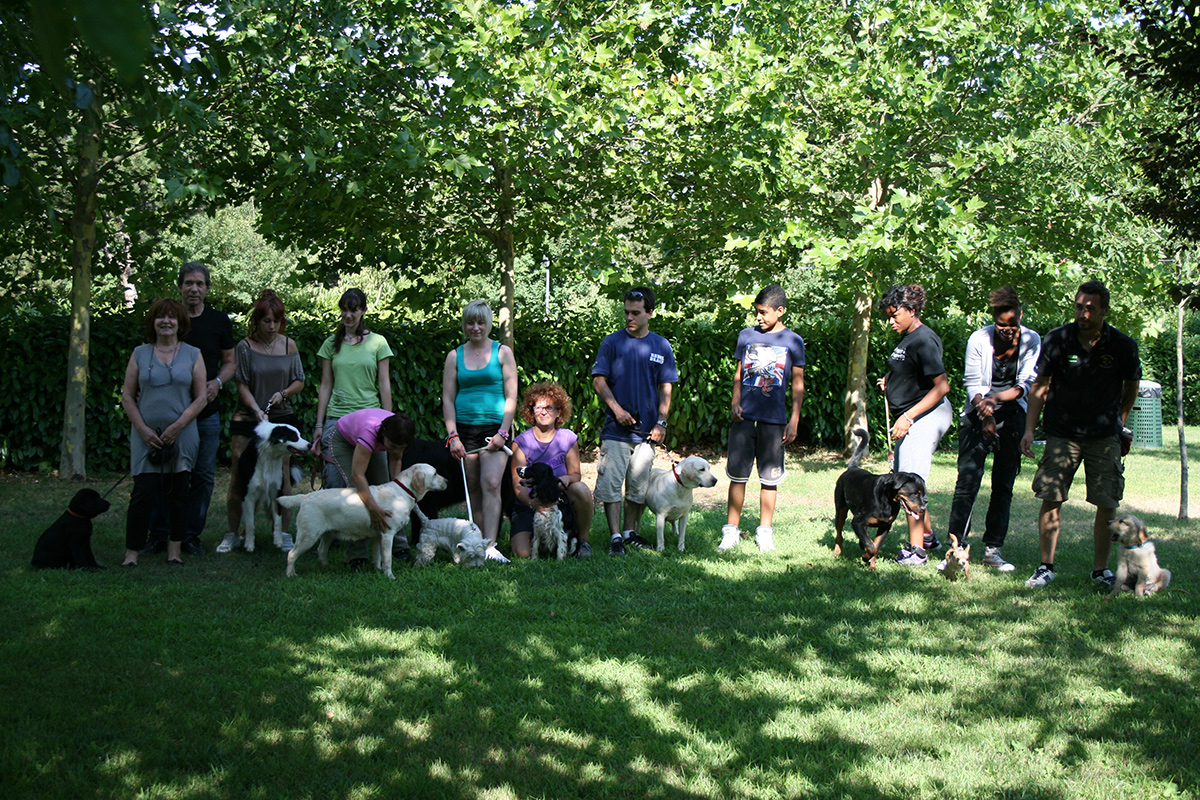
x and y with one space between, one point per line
973 449
148 490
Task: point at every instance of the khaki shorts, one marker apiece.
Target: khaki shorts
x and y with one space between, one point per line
612 472
1102 468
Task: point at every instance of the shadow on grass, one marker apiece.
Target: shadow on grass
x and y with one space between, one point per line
672 676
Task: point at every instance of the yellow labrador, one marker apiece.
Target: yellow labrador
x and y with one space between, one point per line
1137 563
669 495
340 513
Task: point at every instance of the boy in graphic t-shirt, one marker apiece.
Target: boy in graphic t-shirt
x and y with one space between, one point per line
769 357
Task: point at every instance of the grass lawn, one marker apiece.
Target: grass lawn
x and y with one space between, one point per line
694 675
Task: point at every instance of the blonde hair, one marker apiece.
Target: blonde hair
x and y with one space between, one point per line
477 311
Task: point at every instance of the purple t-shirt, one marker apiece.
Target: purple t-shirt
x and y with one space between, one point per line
362 427
553 452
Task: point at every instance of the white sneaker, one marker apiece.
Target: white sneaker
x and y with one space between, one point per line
493 554
730 536
991 558
764 536
285 542
230 541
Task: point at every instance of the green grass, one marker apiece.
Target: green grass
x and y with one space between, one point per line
696 675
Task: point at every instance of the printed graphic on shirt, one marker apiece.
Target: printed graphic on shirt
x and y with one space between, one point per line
763 366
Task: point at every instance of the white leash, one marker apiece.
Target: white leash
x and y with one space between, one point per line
463 466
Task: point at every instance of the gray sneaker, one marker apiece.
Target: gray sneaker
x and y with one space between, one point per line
584 550
1040 577
1105 579
991 558
285 542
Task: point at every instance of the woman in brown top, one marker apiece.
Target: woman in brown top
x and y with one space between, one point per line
268 372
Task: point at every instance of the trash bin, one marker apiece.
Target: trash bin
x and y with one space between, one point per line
1145 420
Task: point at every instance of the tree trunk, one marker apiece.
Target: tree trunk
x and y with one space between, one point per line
1183 454
855 407
73 456
502 239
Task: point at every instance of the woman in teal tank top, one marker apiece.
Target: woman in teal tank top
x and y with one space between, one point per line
479 401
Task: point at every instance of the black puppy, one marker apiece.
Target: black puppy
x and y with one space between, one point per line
874 501
68 542
437 455
548 490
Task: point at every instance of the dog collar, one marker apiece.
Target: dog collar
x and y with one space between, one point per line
76 514
678 479
405 488
1135 546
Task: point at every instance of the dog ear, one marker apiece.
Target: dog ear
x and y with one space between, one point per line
418 481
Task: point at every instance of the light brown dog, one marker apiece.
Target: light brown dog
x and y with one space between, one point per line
1137 563
958 561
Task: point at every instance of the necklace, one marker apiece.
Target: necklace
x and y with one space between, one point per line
270 346
162 358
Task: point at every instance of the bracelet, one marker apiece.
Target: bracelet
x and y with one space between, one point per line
220 385
502 433
320 425
450 437
907 417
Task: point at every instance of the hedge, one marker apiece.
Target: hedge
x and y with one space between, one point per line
32 394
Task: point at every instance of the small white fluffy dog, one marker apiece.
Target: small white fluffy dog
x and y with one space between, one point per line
1137 563
669 494
461 538
327 513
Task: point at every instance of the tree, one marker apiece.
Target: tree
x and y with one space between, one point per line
73 134
449 132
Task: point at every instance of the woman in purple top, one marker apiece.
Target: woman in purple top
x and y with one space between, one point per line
358 436
547 407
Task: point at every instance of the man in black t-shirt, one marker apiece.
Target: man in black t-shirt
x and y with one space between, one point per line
1087 383
212 333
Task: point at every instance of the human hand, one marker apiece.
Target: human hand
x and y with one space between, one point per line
1027 444
882 383
789 432
150 437
379 518
315 448
900 429
170 434
624 418
658 433
497 442
736 410
211 389
456 448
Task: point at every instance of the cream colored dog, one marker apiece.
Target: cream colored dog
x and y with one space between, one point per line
340 513
1137 563
669 493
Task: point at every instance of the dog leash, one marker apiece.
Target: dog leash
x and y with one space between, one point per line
114 486
462 464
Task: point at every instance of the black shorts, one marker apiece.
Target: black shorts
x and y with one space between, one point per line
474 437
245 427
522 518
760 442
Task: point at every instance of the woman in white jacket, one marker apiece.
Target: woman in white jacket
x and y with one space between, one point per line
1001 365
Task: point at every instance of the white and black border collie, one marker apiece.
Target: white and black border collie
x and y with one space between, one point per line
260 475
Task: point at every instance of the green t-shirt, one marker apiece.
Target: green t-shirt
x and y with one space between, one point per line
355 374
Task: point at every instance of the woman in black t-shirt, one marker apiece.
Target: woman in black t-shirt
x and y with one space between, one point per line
916 389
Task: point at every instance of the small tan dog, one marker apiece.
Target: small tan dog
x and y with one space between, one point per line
1137 563
958 561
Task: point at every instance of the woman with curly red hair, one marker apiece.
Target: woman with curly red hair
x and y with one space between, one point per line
546 408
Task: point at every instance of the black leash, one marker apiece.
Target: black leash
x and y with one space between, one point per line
114 486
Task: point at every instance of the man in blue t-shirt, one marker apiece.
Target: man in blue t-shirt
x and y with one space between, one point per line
1087 383
633 374
770 357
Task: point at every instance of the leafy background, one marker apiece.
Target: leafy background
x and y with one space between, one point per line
32 393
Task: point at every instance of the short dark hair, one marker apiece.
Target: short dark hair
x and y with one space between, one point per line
1003 300
195 266
904 295
398 429
773 296
643 293
1094 287
167 307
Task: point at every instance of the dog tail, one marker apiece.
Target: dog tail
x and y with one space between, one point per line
290 500
860 449
420 514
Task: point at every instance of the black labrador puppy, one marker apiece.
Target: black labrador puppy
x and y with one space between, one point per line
68 542
874 501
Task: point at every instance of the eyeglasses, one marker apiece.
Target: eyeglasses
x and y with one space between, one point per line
153 379
545 409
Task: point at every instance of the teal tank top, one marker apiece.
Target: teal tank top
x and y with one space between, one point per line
480 397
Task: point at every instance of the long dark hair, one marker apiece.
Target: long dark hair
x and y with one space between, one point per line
351 299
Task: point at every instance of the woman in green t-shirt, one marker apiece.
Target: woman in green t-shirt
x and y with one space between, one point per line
354 376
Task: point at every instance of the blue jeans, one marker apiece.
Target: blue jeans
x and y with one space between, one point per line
200 493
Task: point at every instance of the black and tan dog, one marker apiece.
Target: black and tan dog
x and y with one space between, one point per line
873 501
68 542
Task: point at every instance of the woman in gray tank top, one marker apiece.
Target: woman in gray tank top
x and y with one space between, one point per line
164 391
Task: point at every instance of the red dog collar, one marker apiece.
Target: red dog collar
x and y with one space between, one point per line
405 488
